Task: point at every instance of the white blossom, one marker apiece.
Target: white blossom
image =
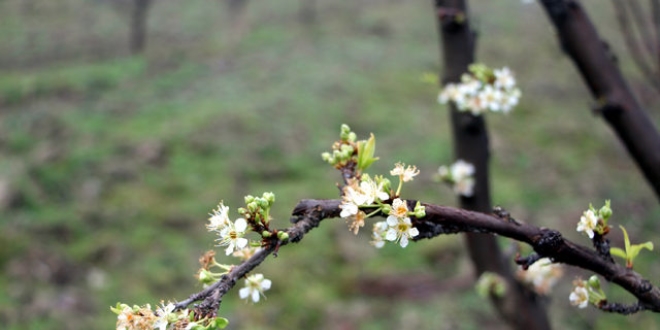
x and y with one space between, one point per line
460 175
400 230
255 285
232 236
404 173
542 275
588 223
378 235
497 93
219 218
579 296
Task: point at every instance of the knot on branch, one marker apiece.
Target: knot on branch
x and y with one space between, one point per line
549 242
645 286
621 308
602 246
607 107
503 214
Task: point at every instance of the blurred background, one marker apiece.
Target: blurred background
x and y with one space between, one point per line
124 123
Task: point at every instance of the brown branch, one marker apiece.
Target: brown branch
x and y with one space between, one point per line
470 136
442 220
581 42
305 218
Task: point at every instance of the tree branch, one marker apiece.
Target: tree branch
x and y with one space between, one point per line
441 220
616 103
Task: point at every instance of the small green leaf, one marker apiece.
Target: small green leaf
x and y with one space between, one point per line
219 323
618 252
631 250
634 249
366 150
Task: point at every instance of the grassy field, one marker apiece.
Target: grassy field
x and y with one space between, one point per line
110 163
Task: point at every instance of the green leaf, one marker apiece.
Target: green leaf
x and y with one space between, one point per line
366 150
631 250
219 323
618 252
634 250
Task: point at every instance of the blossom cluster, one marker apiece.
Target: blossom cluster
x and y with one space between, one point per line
541 275
164 317
483 89
586 292
460 176
398 226
363 194
372 195
595 221
256 216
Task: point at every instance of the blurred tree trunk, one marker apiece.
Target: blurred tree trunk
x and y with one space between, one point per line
520 307
641 33
138 38
307 12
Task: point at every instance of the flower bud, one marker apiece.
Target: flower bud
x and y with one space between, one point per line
594 282
249 199
269 197
420 211
605 212
266 234
345 132
205 276
262 202
352 137
252 206
282 236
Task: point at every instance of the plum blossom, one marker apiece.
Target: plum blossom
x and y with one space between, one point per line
232 236
588 223
255 285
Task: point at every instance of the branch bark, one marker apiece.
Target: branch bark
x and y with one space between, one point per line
443 220
470 135
616 103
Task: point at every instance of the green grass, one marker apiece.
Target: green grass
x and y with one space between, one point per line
114 162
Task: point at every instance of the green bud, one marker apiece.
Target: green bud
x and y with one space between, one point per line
594 282
345 132
420 211
270 197
605 212
490 283
326 157
206 277
252 206
352 137
242 210
266 234
282 236
386 209
347 149
262 202
249 199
